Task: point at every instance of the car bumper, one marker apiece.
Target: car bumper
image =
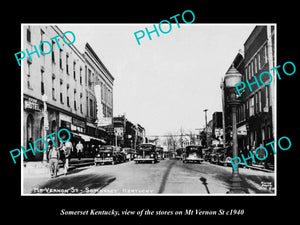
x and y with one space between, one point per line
98 160
144 159
193 160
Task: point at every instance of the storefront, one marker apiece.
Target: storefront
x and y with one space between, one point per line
243 140
32 125
38 122
65 121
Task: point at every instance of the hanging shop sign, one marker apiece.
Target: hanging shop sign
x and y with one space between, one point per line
78 123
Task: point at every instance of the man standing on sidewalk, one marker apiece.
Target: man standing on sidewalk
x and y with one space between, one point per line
67 148
53 158
79 148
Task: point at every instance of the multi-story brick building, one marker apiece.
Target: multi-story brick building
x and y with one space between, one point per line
258 104
255 112
128 134
57 89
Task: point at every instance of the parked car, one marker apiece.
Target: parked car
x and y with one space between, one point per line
121 157
219 156
107 154
207 153
160 153
224 157
130 153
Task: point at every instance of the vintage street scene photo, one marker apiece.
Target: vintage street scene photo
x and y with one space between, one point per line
148 109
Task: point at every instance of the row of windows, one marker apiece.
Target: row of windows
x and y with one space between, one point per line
106 93
53 60
259 136
253 105
257 62
107 111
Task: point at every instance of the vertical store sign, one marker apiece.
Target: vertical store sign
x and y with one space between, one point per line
101 120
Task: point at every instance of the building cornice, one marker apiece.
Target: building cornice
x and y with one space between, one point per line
96 59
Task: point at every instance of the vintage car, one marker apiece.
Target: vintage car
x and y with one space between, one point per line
129 153
192 153
146 153
179 153
108 154
160 153
207 153
224 156
217 155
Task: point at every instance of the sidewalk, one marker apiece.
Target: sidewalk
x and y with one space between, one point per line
257 167
41 168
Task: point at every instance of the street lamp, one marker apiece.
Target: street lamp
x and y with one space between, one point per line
46 123
231 78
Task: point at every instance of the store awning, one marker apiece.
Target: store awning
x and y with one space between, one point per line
87 138
84 137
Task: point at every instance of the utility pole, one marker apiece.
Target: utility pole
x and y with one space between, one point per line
205 110
135 136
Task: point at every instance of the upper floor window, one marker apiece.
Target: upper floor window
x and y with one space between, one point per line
67 63
74 70
28 34
251 106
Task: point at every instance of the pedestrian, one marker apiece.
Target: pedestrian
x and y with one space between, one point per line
68 149
53 158
79 148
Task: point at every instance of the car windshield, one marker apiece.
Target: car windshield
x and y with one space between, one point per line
192 148
179 151
146 147
106 148
105 153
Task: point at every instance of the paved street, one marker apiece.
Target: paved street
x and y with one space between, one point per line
164 177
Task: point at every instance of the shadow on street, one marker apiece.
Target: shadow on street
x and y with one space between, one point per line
204 182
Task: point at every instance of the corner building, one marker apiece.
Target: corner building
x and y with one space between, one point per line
257 111
55 90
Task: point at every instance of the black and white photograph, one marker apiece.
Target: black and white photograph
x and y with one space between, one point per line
144 109
150 113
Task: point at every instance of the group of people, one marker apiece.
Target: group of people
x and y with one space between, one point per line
63 153
55 154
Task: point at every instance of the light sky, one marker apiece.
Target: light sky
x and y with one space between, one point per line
165 83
